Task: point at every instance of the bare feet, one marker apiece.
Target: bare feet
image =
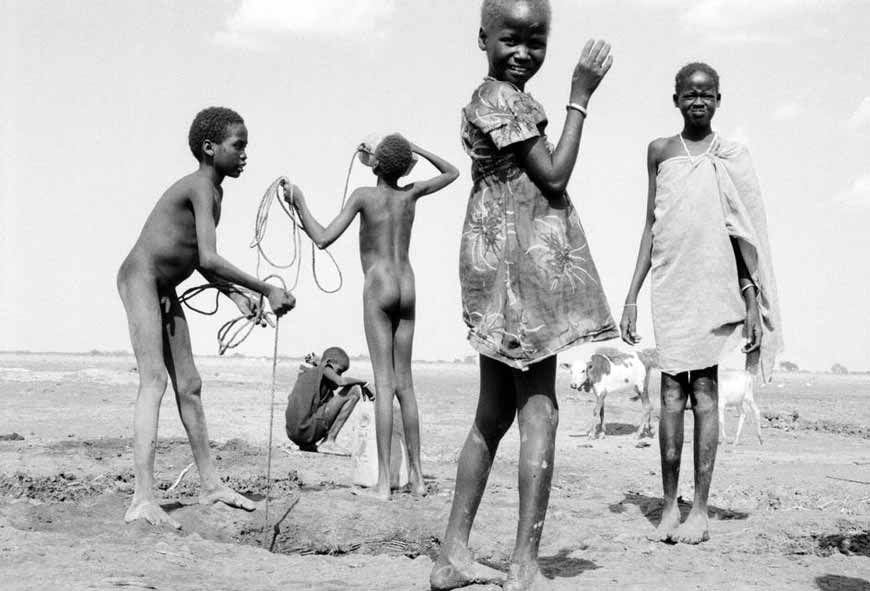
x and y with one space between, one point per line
523 577
329 447
371 493
452 572
695 529
151 511
228 496
418 486
668 525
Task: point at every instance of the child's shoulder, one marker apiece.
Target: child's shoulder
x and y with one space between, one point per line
662 148
498 94
189 185
727 146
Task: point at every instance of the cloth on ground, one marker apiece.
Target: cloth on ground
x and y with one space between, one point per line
701 203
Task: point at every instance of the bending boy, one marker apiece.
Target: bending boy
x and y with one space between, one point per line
386 214
321 401
178 238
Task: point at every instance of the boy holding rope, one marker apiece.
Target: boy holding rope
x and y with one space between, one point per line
386 216
178 238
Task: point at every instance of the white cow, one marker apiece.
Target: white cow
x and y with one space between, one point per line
736 387
611 370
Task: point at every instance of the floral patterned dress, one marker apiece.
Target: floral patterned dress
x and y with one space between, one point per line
529 286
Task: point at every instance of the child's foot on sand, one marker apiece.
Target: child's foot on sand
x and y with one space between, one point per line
329 447
694 530
151 511
418 486
371 493
226 496
667 526
452 572
523 577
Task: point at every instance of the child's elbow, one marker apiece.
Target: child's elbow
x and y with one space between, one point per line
554 189
321 243
208 261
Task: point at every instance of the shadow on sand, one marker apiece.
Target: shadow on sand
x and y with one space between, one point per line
651 507
841 583
563 565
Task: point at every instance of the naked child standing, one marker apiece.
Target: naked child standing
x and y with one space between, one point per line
177 239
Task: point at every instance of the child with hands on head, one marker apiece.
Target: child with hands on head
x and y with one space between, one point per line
386 213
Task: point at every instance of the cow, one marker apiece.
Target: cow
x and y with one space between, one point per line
611 370
736 388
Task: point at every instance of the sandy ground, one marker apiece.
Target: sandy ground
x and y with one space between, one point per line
793 513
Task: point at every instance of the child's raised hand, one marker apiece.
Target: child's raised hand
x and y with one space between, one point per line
595 61
628 325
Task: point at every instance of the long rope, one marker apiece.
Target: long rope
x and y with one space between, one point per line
269 448
234 332
273 193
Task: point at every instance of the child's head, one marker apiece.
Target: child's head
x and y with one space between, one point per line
393 157
513 33
214 124
336 358
696 93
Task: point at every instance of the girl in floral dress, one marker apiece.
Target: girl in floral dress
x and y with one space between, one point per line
529 287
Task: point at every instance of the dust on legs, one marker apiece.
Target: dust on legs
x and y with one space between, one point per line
457 568
668 525
227 496
694 530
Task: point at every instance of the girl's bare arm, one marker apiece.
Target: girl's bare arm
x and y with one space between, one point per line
449 173
551 172
628 325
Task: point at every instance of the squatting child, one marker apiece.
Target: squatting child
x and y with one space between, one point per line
705 240
321 402
178 238
529 286
386 216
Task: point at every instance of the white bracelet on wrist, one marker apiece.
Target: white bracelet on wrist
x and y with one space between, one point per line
579 108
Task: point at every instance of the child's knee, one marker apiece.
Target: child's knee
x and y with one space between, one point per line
189 387
705 401
539 414
404 393
673 400
153 382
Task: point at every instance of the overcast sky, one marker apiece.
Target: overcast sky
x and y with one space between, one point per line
98 96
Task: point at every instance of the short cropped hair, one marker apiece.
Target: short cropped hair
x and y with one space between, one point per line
210 124
490 10
394 156
336 354
686 72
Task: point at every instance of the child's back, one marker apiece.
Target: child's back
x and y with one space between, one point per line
387 216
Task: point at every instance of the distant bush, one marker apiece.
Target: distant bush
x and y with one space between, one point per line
839 369
789 366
